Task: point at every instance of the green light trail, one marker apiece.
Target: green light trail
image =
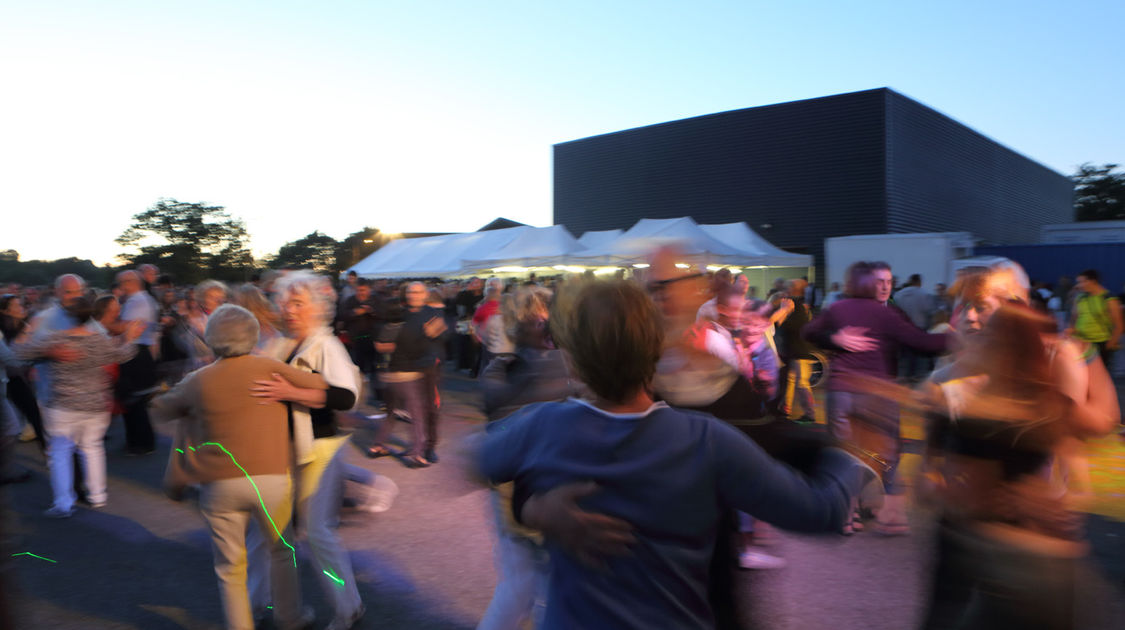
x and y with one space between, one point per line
334 578
256 491
28 553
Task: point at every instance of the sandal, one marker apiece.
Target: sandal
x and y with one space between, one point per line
415 461
377 451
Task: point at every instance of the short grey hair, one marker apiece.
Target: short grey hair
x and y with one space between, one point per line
317 286
232 331
128 274
205 287
69 276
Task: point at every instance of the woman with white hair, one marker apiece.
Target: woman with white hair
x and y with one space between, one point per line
237 448
307 302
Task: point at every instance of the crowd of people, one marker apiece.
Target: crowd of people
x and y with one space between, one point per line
606 402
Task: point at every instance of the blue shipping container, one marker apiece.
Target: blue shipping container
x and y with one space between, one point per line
1047 262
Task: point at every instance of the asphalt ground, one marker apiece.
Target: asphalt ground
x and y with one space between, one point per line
144 562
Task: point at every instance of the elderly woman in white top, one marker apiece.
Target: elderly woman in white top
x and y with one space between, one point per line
307 303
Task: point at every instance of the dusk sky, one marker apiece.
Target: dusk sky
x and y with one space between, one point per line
440 116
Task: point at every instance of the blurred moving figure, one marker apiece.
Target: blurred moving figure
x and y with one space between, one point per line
797 354
866 335
488 324
13 322
1005 422
411 376
643 456
239 450
308 304
536 372
76 412
138 375
1096 317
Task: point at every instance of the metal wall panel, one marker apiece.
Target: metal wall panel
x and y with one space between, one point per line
867 162
943 176
807 170
1047 262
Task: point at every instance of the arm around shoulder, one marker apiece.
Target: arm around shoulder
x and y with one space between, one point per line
300 378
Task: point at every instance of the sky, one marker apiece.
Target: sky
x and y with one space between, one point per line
439 116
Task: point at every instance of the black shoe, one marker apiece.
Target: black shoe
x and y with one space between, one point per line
805 420
431 456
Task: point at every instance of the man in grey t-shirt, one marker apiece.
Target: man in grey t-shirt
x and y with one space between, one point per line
138 375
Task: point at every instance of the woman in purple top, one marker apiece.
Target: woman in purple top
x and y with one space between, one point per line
866 334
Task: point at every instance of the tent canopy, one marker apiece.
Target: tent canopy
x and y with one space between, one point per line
535 247
740 236
599 238
732 244
433 256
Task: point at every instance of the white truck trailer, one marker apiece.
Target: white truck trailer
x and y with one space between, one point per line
930 254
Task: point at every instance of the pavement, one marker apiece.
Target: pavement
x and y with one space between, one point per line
144 562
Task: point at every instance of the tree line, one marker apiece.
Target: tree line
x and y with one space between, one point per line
193 241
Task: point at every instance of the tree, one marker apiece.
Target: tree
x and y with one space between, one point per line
10 255
44 272
315 251
1099 193
359 245
191 241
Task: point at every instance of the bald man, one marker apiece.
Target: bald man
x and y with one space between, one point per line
68 288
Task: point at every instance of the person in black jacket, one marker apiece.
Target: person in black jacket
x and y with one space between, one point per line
797 354
359 315
413 346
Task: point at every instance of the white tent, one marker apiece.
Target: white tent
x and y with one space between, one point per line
433 256
724 245
599 238
741 237
533 247
732 244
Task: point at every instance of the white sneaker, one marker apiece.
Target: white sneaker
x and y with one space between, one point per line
379 496
757 559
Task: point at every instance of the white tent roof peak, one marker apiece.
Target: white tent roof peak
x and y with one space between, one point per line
740 236
531 248
598 238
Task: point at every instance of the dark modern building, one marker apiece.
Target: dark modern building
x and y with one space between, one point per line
868 162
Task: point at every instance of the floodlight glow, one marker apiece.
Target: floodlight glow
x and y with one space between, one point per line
640 265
